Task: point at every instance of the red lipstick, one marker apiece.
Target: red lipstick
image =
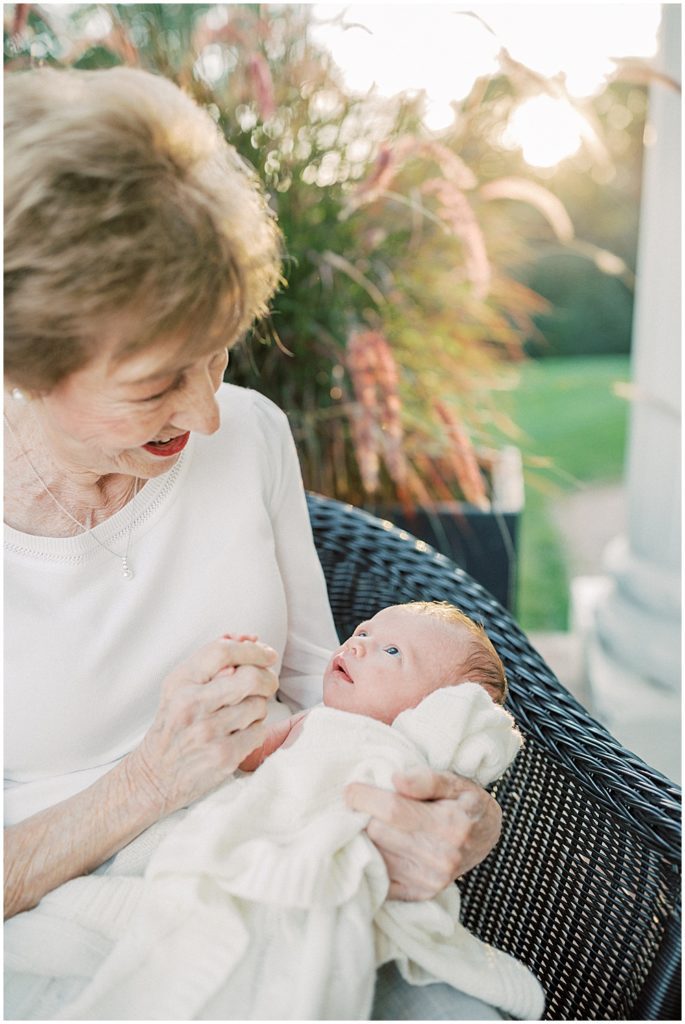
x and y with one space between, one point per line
166 448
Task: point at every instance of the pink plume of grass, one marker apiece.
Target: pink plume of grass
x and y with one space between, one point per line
21 15
455 211
461 458
259 75
377 424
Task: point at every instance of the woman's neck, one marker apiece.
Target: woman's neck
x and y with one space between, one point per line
46 497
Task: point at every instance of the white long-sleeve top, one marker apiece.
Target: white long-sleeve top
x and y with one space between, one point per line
220 543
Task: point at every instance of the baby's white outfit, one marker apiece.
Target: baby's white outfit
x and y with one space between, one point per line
267 900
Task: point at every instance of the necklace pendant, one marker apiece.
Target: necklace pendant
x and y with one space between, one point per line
126 570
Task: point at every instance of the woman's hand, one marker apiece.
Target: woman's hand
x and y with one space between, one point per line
209 719
434 828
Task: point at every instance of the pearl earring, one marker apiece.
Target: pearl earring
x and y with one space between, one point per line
18 395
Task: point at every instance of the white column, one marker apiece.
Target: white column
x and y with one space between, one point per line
633 651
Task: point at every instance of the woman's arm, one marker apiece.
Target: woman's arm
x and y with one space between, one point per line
209 719
311 632
75 836
434 828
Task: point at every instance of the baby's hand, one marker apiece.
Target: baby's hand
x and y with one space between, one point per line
252 637
275 738
210 716
238 638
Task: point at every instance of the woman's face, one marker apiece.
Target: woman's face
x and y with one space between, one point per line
132 416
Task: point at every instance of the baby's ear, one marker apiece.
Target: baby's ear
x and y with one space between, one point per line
494 691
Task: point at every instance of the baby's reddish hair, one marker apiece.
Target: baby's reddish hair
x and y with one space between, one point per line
482 663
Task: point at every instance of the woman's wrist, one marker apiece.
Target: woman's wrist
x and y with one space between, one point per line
141 791
77 835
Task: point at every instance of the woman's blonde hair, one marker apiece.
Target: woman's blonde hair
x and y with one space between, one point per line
482 663
122 199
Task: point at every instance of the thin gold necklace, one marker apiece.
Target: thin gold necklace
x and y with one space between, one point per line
126 568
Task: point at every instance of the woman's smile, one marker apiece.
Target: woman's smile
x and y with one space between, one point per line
172 446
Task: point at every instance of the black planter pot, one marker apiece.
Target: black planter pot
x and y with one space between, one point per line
485 544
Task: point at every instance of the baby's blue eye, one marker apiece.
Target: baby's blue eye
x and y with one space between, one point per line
394 651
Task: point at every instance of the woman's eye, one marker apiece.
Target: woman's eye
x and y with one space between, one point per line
167 391
361 632
392 650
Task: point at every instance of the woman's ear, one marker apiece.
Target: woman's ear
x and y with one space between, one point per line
22 396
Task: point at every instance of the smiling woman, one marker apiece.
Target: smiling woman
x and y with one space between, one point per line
101 421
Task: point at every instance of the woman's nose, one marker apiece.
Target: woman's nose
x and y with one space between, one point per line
199 410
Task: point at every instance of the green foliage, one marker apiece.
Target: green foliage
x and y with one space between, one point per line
97 57
600 324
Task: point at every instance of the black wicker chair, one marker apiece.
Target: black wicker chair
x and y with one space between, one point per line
584 885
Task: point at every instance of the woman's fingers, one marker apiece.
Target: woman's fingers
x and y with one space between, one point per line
389 807
222 653
428 785
436 829
210 718
228 720
420 863
227 689
408 879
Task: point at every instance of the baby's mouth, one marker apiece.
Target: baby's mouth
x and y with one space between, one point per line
340 670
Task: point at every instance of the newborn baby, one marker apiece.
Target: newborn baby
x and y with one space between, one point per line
394 660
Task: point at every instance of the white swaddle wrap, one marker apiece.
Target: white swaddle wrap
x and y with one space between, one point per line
267 900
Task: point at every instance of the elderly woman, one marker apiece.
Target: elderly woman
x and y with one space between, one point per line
149 508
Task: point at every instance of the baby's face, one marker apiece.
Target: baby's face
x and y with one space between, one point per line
392 662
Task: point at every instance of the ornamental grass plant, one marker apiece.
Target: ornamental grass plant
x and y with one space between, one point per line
400 317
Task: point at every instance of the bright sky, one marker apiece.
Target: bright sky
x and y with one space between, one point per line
440 49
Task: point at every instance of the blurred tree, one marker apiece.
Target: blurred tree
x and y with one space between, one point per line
591 312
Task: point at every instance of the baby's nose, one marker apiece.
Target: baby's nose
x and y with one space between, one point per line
355 646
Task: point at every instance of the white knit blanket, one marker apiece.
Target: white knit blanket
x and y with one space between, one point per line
267 901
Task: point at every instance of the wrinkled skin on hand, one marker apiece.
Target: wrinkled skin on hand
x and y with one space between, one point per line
210 717
434 828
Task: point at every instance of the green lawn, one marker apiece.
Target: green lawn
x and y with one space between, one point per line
569 414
